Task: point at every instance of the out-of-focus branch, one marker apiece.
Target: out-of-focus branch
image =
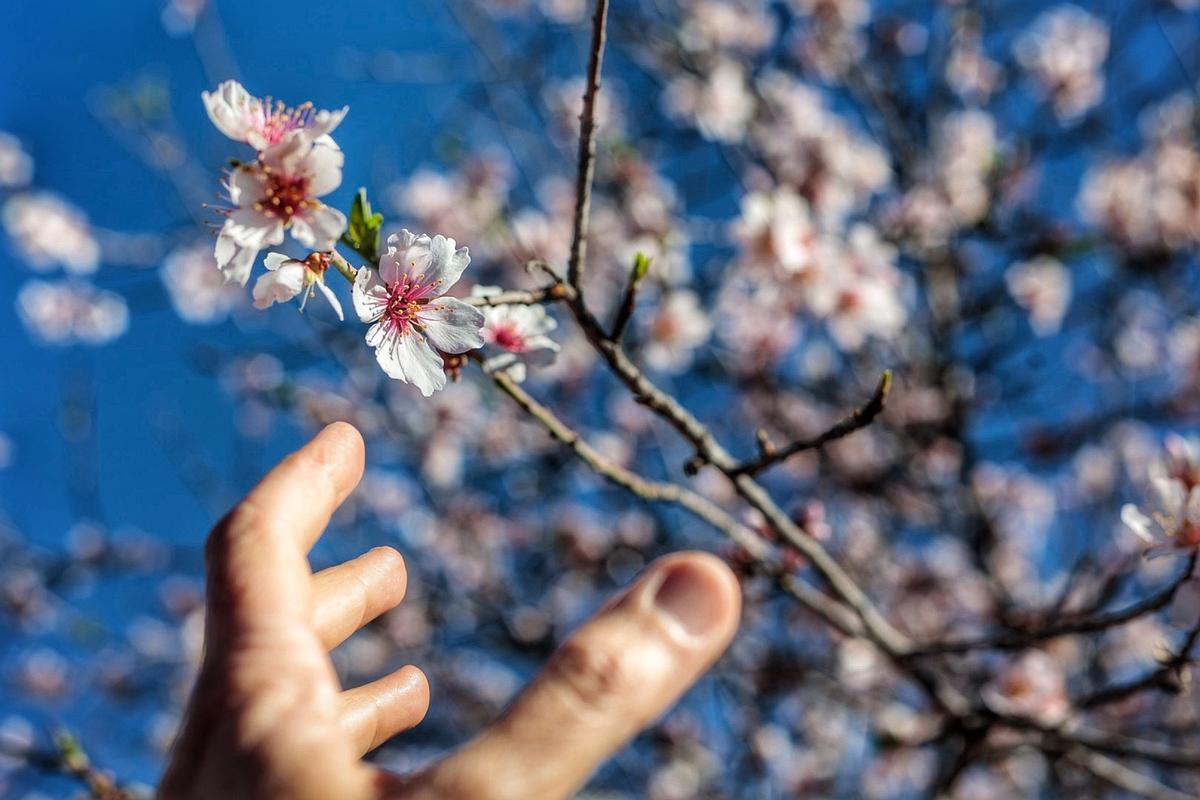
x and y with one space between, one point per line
587 148
1120 776
859 418
1168 675
1015 640
70 759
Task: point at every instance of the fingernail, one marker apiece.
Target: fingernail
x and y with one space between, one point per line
688 597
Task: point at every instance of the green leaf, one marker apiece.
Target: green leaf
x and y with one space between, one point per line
365 228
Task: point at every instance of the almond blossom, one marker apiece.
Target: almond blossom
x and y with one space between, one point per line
287 277
261 123
276 192
677 328
1174 527
1065 50
1041 286
48 232
195 287
411 320
720 104
520 331
1033 687
777 227
70 312
16 165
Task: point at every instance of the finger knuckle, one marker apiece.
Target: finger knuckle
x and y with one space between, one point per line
594 679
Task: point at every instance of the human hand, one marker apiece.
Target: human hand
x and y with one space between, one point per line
268 717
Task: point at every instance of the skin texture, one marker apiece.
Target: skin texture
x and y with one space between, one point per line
269 719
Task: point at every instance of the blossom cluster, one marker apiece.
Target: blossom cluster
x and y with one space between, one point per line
51 234
414 325
1148 203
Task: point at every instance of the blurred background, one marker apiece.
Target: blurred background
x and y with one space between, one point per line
999 202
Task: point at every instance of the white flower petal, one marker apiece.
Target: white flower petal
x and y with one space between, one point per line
422 365
1136 521
319 228
324 122
250 228
274 261
370 296
1170 494
247 185
406 254
279 285
453 326
229 108
446 264
384 337
332 298
323 165
234 259
287 156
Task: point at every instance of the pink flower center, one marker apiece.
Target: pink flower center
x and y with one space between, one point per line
1188 535
406 298
284 196
275 122
507 337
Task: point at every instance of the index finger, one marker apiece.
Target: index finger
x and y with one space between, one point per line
257 554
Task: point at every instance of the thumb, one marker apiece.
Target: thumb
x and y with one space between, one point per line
614 675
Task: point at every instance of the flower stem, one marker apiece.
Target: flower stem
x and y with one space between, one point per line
343 266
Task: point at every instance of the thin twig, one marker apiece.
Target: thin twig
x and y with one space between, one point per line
587 148
859 418
520 297
1015 640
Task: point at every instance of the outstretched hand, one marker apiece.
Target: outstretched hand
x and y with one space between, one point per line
268 717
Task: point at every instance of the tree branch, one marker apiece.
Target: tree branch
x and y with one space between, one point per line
859 418
587 148
1015 640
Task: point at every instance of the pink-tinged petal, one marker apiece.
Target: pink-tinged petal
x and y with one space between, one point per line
369 295
331 298
422 365
323 165
319 228
229 108
279 285
452 326
406 254
1136 521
